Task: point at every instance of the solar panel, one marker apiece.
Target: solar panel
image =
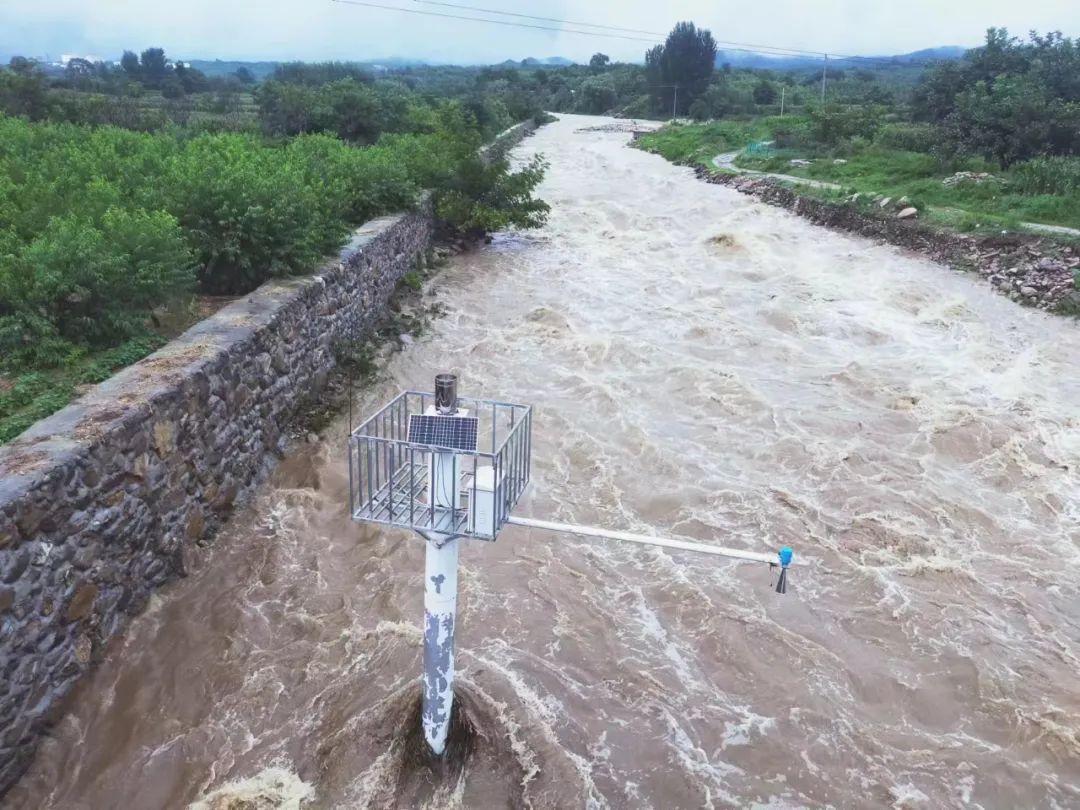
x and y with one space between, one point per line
455 432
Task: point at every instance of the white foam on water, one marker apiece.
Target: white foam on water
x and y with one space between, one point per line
273 788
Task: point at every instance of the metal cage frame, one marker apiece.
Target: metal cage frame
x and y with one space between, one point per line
388 474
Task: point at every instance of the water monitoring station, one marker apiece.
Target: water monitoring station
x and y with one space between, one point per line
452 468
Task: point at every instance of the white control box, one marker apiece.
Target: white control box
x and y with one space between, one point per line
482 507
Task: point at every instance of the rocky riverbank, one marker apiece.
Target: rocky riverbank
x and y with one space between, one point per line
1031 270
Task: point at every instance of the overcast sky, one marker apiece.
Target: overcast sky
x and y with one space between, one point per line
322 29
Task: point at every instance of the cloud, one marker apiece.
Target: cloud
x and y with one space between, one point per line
322 29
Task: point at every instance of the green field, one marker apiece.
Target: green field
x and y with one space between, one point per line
1043 191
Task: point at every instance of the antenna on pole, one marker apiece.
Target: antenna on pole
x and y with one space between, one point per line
452 468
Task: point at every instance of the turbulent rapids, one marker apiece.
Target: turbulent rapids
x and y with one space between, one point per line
702 366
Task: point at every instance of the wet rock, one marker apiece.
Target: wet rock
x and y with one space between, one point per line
974 178
82 602
13 565
84 649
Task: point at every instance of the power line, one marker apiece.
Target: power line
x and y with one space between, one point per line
543 19
758 48
741 47
492 22
782 50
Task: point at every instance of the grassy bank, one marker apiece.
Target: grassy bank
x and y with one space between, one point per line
1043 191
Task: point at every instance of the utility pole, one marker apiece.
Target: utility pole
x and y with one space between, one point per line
783 94
824 71
675 97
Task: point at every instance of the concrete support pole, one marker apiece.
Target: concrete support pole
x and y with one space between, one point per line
440 613
440 604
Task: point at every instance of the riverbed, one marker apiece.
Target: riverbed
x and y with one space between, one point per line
702 366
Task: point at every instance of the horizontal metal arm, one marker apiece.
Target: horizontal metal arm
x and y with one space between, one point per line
644 539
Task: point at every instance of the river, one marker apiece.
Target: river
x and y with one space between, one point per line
703 366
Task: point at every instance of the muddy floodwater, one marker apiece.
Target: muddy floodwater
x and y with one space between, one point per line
702 366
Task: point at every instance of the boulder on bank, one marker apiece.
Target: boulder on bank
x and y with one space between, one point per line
973 178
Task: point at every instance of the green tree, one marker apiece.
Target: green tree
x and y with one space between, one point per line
764 93
129 63
288 109
88 281
716 102
1008 100
154 67
23 90
191 79
22 66
597 95
599 61
680 69
80 73
1012 119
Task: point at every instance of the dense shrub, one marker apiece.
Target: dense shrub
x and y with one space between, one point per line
88 281
793 134
1048 175
1008 100
100 226
910 137
472 194
833 123
250 211
88 248
597 95
357 183
352 110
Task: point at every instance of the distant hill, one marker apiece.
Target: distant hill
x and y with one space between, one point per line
219 67
942 53
262 70
758 60
550 61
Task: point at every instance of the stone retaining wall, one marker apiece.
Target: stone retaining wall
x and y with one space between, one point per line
103 501
508 139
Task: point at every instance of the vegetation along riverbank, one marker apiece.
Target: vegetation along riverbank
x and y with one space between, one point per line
115 238
1000 197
